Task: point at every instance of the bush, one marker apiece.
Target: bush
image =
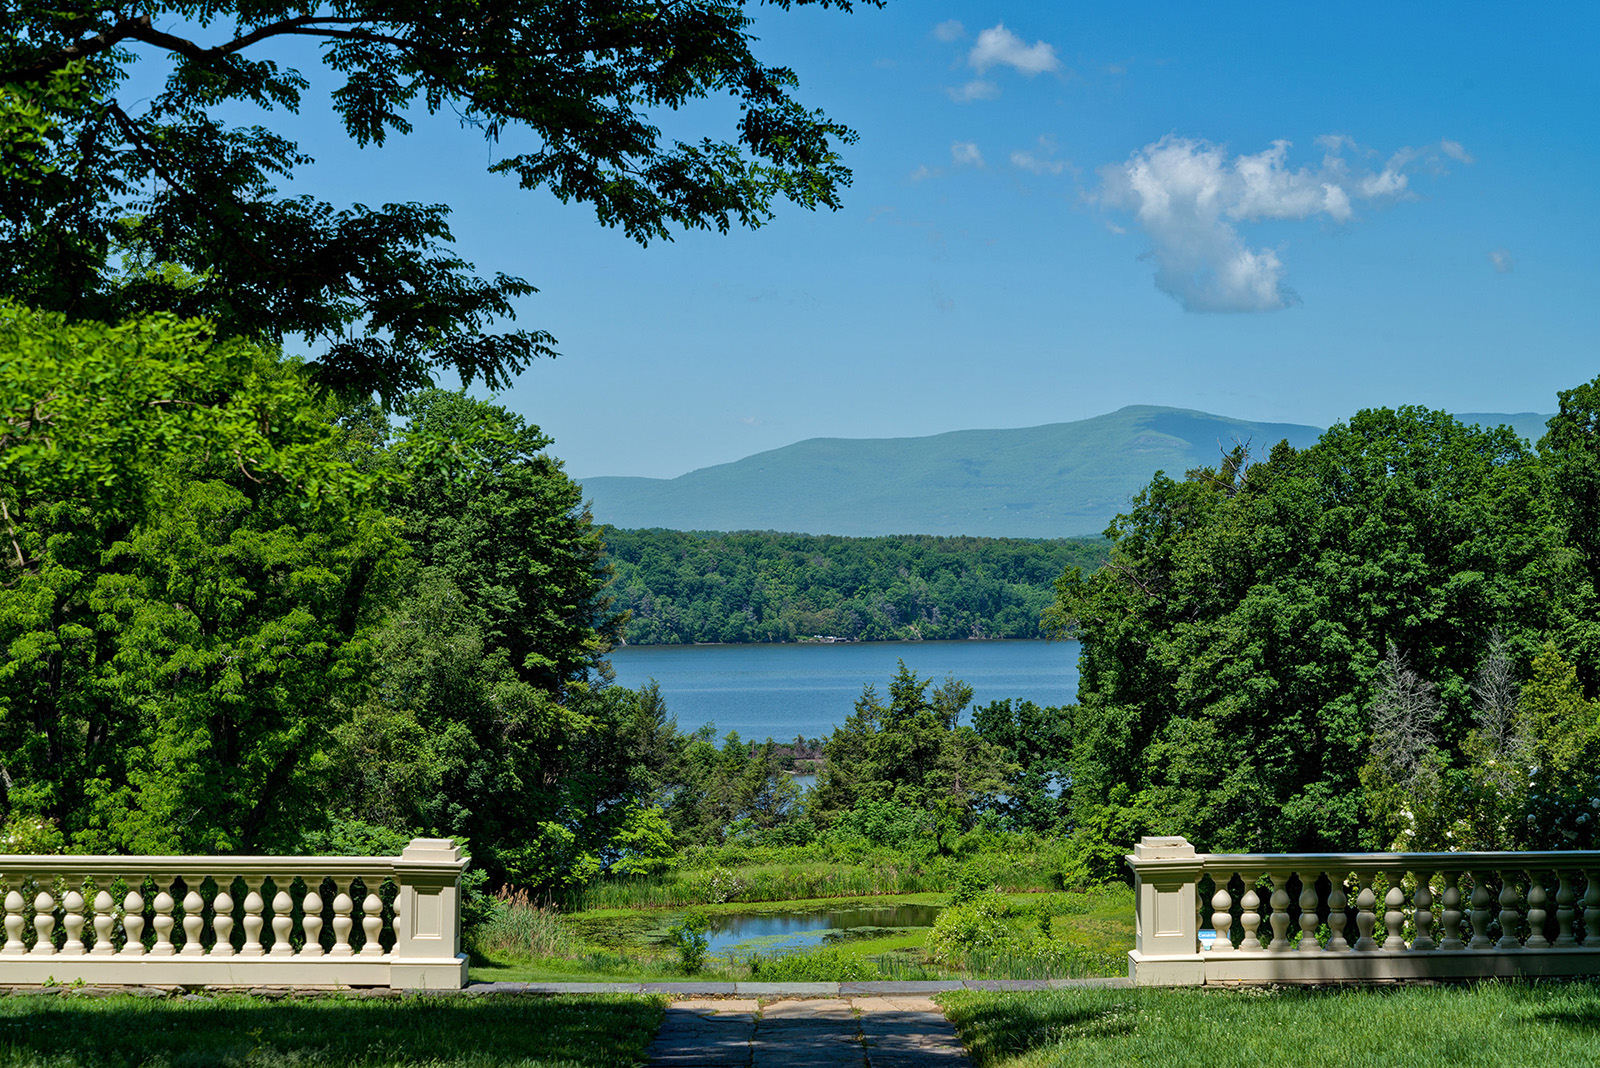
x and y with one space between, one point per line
979 923
688 936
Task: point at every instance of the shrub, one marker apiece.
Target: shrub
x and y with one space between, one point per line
688 936
979 923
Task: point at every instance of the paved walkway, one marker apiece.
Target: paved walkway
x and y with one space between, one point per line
858 1032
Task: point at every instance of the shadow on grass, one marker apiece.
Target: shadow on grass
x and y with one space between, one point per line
1572 1005
998 1028
576 1031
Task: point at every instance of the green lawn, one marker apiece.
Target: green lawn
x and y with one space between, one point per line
1493 1025
440 1032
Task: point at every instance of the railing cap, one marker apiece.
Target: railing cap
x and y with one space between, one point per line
431 851
1168 847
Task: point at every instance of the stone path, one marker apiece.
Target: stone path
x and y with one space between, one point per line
860 1032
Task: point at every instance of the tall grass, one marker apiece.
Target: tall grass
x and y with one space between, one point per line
737 873
517 927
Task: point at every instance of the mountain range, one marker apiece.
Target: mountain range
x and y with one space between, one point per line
1052 481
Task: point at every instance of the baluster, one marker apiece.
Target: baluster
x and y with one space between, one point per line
1480 912
1366 914
1537 913
1509 914
1591 908
252 919
311 905
105 917
1565 912
1394 920
1422 919
282 919
1280 912
72 921
44 924
1308 914
1249 918
163 923
1337 900
194 919
342 924
15 922
133 924
222 919
1451 916
372 925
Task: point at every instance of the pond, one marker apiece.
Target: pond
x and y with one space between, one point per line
767 933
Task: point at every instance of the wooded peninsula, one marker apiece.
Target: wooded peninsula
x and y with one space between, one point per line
761 586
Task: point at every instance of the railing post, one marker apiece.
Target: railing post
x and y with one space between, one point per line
1166 877
427 921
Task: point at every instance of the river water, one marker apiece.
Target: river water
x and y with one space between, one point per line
785 691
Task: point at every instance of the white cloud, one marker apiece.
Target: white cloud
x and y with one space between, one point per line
1502 261
998 46
1029 162
1190 198
1041 161
966 154
950 30
1454 150
924 172
977 89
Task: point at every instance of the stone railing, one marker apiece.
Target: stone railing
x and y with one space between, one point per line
1360 917
235 921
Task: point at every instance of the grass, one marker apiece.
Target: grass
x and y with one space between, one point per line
1091 933
1491 1025
457 1032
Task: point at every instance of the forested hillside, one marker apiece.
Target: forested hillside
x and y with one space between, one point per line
768 587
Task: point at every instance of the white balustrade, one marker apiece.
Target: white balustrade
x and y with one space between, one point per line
1415 915
235 921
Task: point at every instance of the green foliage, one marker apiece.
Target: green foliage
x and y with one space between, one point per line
974 879
108 187
882 822
1038 742
1233 645
767 587
741 791
913 752
688 937
188 588
1562 731
484 719
979 923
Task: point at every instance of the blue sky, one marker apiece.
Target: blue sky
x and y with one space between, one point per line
1274 211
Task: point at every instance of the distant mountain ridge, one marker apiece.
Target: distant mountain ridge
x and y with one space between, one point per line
1052 481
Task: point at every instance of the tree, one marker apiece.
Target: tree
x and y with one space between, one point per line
913 752
1233 645
489 715
1038 741
189 580
114 200
1571 452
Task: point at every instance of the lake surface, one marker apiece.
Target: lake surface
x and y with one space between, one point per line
774 933
784 691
